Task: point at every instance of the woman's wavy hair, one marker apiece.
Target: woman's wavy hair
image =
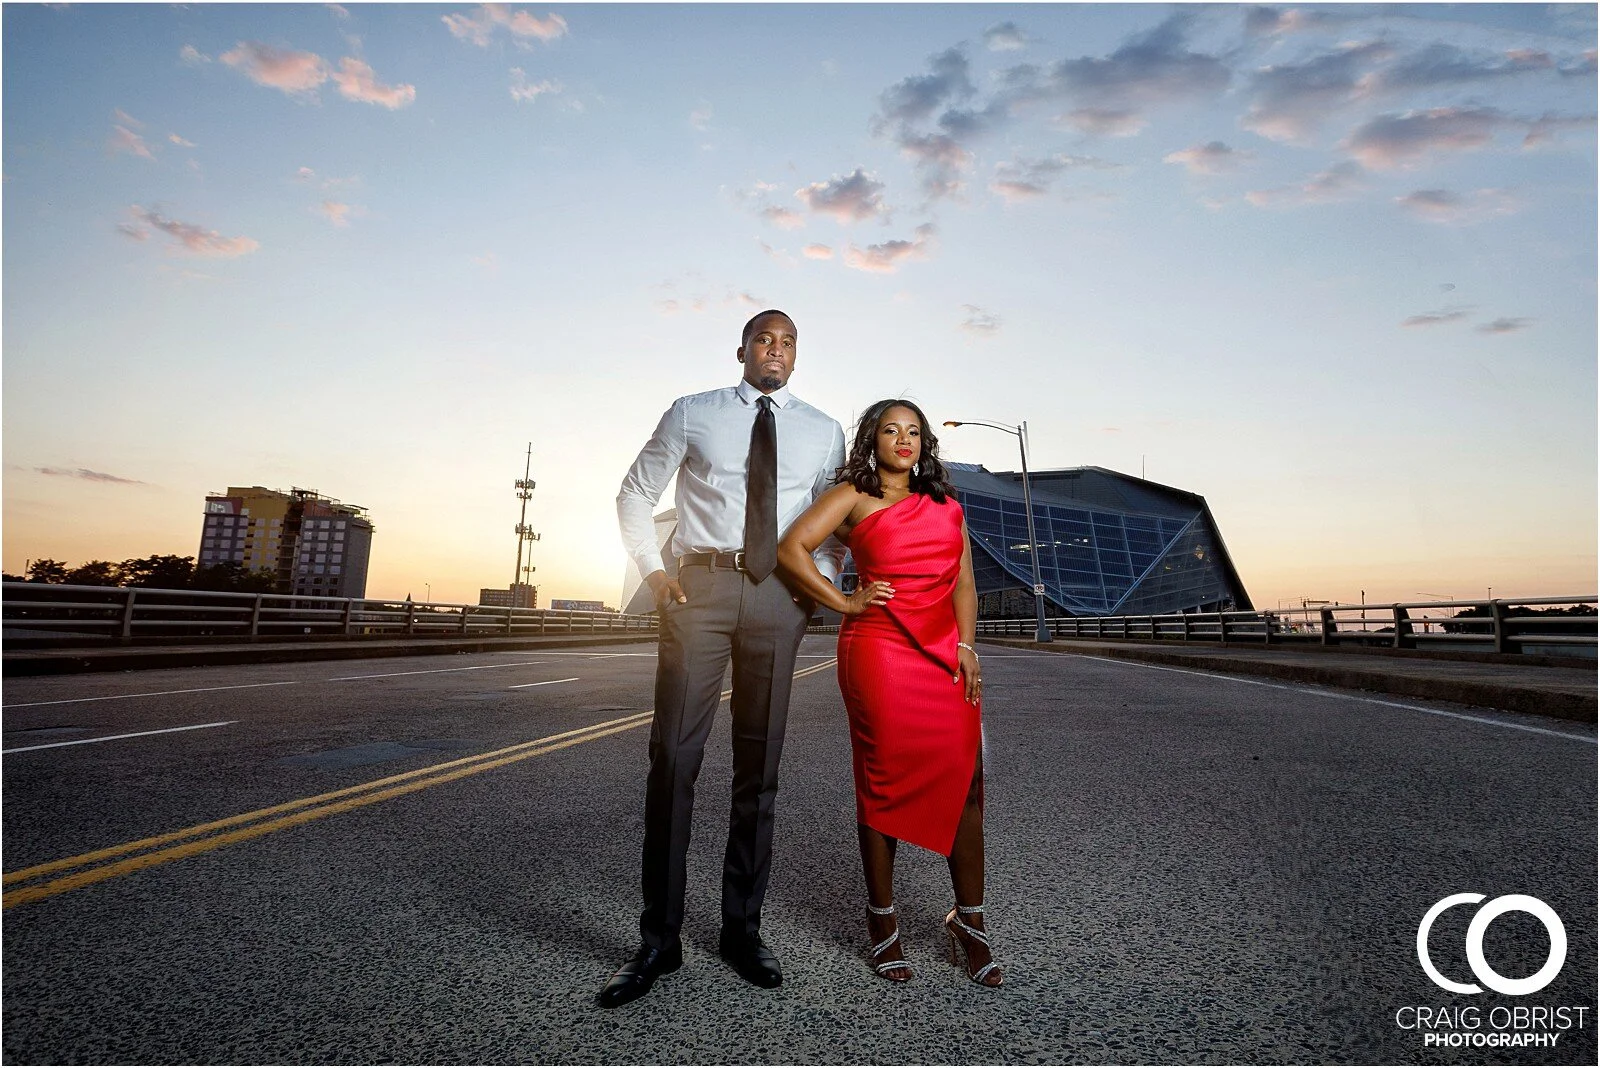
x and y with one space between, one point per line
859 470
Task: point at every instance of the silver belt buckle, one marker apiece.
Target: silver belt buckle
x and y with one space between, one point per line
738 560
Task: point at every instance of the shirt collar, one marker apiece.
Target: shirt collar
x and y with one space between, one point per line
749 393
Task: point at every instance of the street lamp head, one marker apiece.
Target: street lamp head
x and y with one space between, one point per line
951 422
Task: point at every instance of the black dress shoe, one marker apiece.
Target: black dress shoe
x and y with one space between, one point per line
639 973
751 958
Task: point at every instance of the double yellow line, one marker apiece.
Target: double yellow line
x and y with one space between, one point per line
102 864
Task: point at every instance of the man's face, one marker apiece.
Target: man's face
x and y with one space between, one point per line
768 356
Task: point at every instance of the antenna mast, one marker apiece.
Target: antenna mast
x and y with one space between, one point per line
524 532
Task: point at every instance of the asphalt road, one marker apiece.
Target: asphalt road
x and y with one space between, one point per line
1182 868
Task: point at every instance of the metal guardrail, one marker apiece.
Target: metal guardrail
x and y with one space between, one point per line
45 611
1503 628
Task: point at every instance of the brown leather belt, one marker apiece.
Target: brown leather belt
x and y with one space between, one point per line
727 561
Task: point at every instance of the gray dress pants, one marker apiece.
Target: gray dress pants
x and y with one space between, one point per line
758 627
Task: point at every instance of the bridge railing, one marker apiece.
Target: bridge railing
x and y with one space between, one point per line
1506 625
37 612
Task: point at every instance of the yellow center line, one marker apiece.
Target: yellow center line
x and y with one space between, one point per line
304 810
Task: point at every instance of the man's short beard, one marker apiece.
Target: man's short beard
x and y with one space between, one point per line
770 383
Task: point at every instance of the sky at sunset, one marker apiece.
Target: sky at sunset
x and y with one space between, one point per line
1332 267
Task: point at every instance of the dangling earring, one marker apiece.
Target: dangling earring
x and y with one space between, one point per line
872 461
916 469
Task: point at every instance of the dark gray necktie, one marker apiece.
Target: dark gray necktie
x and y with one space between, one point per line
761 495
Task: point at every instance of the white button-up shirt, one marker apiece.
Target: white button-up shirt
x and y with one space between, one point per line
704 440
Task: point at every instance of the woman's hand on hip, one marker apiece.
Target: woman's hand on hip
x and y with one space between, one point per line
872 595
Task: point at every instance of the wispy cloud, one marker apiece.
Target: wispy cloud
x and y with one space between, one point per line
339 11
88 476
1441 64
855 197
522 89
480 25
1025 179
1274 21
1152 67
335 212
700 117
1004 37
916 98
887 257
191 239
1104 122
125 140
295 73
357 81
1436 318
1289 102
1213 157
1445 206
175 139
192 55
1546 126
1505 326
783 218
127 120
1393 141
1338 182
979 321
817 252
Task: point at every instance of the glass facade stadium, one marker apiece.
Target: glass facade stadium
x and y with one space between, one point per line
1109 544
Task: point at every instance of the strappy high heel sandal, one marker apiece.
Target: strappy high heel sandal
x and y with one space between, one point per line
954 923
883 968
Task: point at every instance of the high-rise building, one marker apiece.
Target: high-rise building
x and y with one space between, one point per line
311 544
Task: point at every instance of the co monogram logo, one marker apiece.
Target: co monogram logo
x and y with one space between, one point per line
1475 932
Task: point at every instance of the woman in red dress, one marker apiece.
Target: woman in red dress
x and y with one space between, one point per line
907 669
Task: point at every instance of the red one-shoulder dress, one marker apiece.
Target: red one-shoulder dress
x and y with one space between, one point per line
914 738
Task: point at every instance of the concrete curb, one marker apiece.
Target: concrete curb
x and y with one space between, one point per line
75 661
1558 702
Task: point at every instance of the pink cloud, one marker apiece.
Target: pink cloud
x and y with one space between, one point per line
175 139
125 140
855 197
887 257
1387 142
522 89
1336 183
356 81
192 239
1445 206
1213 157
817 252
783 218
479 26
336 212
295 73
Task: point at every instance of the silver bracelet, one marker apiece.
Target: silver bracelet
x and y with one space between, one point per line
968 648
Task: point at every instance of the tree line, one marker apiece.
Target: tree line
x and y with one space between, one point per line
151 572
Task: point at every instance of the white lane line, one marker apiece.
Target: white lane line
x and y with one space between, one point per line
1349 697
525 685
114 737
157 693
436 671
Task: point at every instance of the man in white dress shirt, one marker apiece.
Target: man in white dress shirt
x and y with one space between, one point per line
748 460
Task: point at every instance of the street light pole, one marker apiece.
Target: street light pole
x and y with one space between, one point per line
1042 631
